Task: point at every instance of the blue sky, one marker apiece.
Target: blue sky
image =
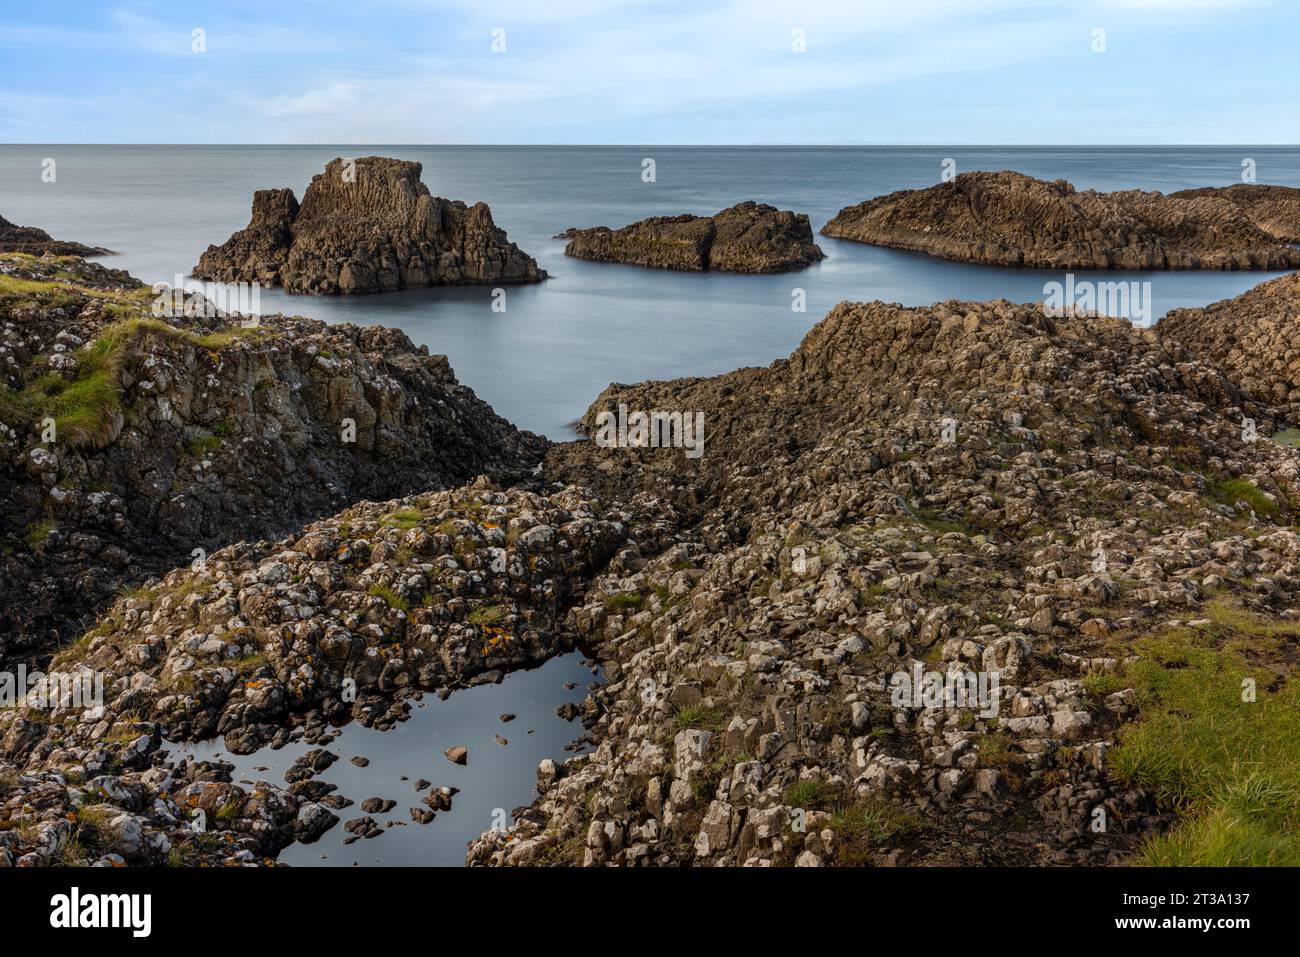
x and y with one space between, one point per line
658 71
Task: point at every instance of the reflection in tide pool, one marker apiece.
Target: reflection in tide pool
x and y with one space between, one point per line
496 779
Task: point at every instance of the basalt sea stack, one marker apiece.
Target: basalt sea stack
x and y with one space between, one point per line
367 225
1009 219
748 237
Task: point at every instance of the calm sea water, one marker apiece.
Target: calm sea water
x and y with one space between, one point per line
542 361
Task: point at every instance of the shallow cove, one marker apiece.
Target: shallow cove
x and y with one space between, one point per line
495 780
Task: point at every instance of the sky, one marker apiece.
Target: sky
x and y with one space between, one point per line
654 72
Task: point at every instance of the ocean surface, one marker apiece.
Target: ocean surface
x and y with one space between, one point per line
543 360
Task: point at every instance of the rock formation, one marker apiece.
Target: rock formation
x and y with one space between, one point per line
1094 487
1274 209
365 226
179 433
960 491
1008 219
1252 338
37 242
748 237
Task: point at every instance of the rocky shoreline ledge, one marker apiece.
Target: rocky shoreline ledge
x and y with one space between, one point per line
1098 517
1009 219
191 431
365 226
37 242
746 238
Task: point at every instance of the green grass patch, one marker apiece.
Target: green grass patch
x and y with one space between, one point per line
85 404
1230 767
707 719
1232 491
390 597
808 794
624 601
38 532
866 823
406 518
204 445
487 616
1288 437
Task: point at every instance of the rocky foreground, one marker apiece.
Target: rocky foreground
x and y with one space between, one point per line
1251 338
364 226
746 238
1009 219
135 438
1097 515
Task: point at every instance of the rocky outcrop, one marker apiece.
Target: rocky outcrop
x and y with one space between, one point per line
748 238
273 641
131 440
258 252
965 489
1274 209
1008 219
956 492
367 226
37 242
1252 338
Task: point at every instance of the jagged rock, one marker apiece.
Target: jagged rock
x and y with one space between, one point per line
1274 209
1251 338
367 226
1009 219
204 432
748 238
916 499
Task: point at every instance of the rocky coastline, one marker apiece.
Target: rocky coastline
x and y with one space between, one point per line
37 242
1090 515
178 433
1009 219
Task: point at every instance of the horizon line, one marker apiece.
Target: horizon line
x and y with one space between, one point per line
888 145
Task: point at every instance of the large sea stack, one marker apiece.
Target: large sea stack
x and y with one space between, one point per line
748 237
367 225
1009 219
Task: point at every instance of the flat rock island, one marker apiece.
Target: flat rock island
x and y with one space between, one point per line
1009 219
748 238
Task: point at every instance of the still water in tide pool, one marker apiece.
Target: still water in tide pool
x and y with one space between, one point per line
493 782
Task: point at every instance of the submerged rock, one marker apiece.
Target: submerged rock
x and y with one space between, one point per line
1009 219
367 225
747 238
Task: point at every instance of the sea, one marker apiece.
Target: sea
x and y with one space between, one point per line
542 360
